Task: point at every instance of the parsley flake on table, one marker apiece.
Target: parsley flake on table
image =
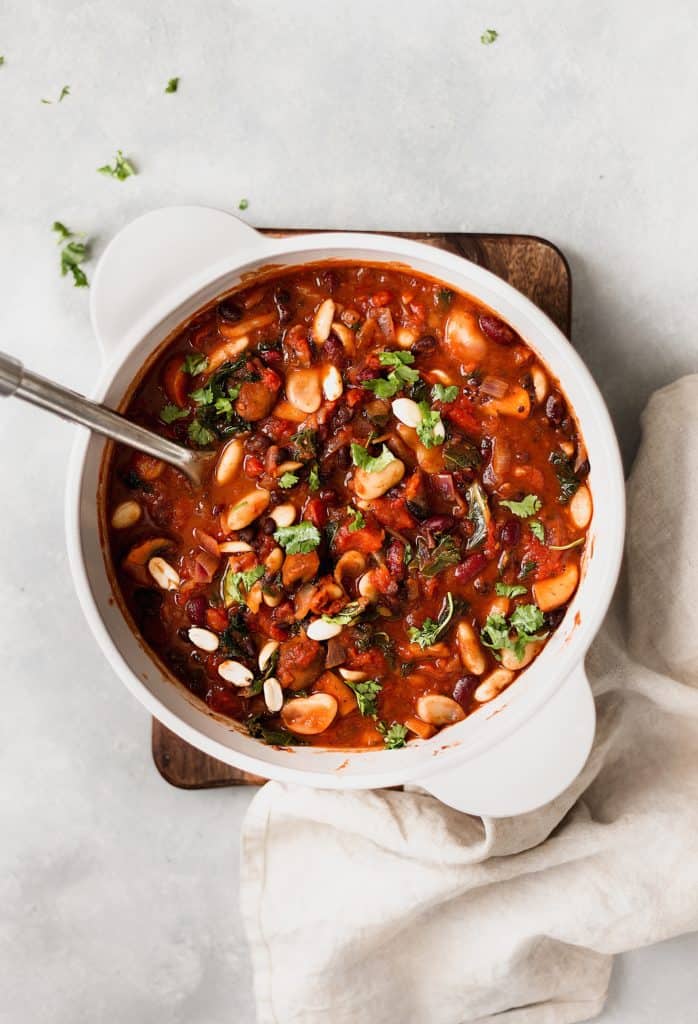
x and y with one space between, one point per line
122 169
243 204
73 253
299 539
65 91
370 463
528 506
2 61
172 85
489 36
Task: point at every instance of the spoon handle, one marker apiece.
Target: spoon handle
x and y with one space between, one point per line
30 387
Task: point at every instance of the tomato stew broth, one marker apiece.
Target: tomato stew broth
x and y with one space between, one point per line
393 525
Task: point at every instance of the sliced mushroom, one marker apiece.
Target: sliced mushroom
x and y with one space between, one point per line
303 389
229 461
320 629
407 411
266 653
230 349
581 507
252 323
322 321
493 684
234 547
510 660
556 590
237 517
126 514
372 485
163 573
308 716
435 709
204 639
471 653
540 384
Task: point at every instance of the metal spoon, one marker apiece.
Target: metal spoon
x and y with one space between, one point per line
15 380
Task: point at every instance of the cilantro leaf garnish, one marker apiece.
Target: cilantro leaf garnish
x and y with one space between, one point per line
172 85
489 36
288 480
509 589
366 693
399 377
314 478
171 412
538 530
370 463
62 231
528 506
202 396
194 363
237 585
393 736
524 622
299 539
357 520
430 429
200 434
122 169
429 632
73 254
444 393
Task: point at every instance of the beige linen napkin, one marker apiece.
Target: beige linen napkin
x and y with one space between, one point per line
389 906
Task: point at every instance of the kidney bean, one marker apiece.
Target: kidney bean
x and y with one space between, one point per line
464 689
330 280
395 559
282 301
510 533
272 357
230 310
555 409
333 351
439 524
554 618
424 345
196 610
470 567
496 330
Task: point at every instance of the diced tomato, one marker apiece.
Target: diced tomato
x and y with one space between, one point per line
253 466
393 512
217 618
462 413
548 563
265 622
270 379
354 396
367 540
279 430
176 381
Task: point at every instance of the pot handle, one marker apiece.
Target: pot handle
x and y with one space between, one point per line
153 257
530 767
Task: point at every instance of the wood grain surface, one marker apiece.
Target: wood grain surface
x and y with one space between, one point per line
533 266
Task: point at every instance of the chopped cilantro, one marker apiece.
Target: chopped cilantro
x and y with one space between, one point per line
122 169
200 434
528 506
171 412
314 478
237 585
304 443
371 464
429 632
489 36
366 693
357 520
443 393
538 530
73 254
202 396
194 363
524 622
393 735
299 539
399 376
288 480
430 429
509 589
172 85
2 61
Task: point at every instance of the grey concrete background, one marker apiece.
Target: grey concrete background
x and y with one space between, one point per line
118 895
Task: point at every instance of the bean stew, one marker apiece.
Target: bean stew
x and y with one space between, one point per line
394 519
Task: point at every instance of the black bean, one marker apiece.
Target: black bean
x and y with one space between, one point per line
464 689
269 526
427 343
555 409
230 310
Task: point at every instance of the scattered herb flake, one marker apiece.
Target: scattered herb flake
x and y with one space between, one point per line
347 616
357 520
171 412
73 254
509 589
429 632
430 429
288 480
314 478
393 736
371 464
489 36
366 693
538 530
445 554
237 585
444 393
527 568
528 506
172 85
200 434
400 375
195 363
243 204
122 169
567 478
524 622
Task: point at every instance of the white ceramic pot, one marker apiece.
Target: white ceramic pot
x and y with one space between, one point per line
514 754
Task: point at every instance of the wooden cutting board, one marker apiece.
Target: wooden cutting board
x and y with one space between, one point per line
539 270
